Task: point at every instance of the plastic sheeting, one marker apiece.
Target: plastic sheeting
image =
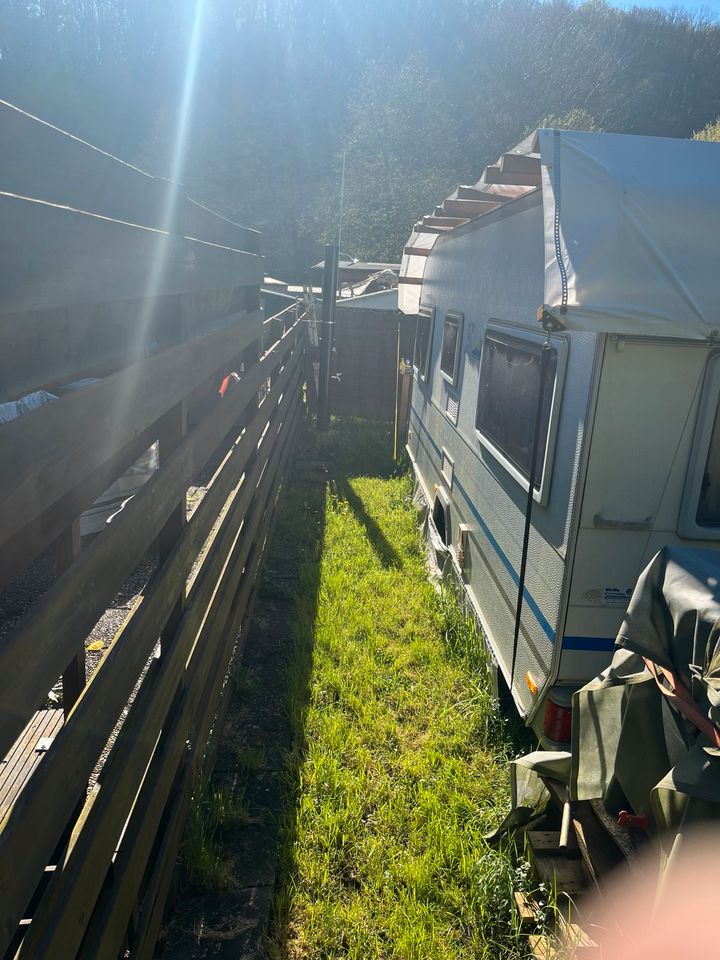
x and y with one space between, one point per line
413 267
632 233
18 408
628 742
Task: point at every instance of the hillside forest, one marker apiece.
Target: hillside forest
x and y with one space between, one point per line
252 104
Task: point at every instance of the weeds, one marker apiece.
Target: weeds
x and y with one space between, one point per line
203 856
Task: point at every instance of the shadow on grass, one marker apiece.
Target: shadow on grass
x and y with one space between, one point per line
387 554
352 448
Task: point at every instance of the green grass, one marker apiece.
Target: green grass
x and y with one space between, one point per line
400 763
204 857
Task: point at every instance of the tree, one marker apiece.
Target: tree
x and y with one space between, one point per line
575 119
710 131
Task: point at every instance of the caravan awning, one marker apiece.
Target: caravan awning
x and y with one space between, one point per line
412 269
632 233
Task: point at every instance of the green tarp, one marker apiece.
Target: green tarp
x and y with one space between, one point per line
630 747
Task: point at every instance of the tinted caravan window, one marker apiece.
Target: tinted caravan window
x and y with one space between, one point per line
700 507
508 399
423 340
708 507
452 335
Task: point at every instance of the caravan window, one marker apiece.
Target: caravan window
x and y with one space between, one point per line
508 398
423 341
452 337
708 506
700 509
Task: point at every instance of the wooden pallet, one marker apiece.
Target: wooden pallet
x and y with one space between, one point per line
25 755
566 938
572 871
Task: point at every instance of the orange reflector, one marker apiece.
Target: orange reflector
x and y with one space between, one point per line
532 686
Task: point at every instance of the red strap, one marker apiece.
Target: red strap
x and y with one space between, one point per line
679 696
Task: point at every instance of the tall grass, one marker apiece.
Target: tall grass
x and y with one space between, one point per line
400 758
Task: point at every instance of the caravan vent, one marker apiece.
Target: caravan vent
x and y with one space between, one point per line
447 468
451 407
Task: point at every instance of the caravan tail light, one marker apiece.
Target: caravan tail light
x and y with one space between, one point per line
557 722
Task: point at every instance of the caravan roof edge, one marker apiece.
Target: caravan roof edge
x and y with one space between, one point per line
508 209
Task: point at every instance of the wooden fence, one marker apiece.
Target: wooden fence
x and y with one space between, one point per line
366 359
96 283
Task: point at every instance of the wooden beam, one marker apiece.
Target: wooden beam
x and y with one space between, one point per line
494 174
43 162
95 715
475 193
32 539
470 208
519 163
44 640
417 251
41 349
436 230
67 550
411 281
207 663
450 222
44 456
55 256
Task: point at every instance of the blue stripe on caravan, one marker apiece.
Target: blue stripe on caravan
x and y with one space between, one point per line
527 596
425 430
601 644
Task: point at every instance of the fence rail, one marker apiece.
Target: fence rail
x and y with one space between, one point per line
88 845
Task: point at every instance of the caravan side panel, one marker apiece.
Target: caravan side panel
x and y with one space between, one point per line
493 272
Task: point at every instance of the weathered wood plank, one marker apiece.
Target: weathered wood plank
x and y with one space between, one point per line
56 256
108 928
40 349
41 161
51 796
519 163
469 208
444 222
45 639
46 453
65 926
36 536
73 679
158 886
18 766
157 889
495 174
172 430
159 882
125 767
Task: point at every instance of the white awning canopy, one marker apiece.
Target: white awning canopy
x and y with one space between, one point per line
632 233
412 269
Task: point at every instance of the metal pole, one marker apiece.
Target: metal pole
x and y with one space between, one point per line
327 325
342 202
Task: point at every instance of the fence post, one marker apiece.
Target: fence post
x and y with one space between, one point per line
73 680
172 429
327 325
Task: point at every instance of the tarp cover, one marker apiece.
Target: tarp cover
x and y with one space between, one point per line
630 747
632 233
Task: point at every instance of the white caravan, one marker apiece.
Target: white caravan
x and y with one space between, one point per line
607 249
